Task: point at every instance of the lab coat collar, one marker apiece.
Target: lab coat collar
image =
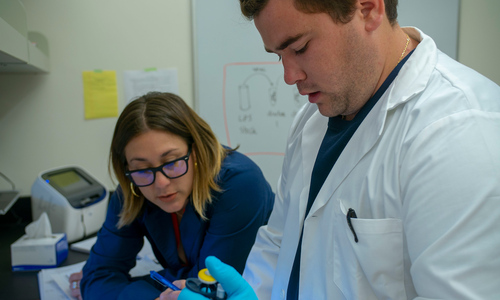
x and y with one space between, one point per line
415 74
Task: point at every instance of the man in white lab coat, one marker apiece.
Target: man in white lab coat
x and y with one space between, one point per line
390 187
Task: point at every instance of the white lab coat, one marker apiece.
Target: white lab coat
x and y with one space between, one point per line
422 173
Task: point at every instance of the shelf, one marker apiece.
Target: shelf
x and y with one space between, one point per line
20 50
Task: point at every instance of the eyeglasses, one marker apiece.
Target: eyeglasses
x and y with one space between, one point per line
172 169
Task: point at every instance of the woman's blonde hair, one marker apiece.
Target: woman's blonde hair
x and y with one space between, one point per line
166 112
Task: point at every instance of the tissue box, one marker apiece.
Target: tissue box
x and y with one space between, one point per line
35 254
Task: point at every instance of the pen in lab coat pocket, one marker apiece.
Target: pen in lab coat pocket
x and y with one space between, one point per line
351 214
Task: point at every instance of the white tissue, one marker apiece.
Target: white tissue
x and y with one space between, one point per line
40 228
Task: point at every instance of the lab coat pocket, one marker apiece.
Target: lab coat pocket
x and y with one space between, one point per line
371 268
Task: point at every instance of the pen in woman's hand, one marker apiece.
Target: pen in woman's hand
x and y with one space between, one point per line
163 281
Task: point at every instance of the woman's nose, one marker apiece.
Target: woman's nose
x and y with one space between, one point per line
161 179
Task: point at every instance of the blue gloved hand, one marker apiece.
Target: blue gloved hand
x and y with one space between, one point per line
235 286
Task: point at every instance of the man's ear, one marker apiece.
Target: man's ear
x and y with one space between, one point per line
373 12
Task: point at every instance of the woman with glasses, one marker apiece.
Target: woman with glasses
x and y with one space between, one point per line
179 188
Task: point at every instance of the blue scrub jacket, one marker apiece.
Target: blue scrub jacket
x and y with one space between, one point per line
234 217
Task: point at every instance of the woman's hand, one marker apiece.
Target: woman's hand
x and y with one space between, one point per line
74 285
172 295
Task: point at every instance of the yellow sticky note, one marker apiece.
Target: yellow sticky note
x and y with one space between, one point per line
100 94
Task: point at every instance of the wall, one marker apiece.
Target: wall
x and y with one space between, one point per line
42 123
479 37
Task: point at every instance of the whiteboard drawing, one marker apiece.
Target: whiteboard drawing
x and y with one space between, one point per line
262 107
244 97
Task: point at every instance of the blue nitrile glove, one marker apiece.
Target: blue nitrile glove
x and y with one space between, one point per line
235 286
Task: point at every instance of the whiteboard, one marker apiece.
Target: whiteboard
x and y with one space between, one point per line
239 87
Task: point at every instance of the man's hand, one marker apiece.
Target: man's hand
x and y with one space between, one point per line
235 286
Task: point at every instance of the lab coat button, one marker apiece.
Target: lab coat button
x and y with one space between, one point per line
282 294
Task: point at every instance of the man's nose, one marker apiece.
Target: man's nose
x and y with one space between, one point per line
293 72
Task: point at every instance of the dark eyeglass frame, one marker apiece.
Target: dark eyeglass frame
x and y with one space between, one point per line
160 168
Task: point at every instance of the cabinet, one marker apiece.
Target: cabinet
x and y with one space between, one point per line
20 50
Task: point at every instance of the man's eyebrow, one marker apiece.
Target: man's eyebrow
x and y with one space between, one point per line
286 43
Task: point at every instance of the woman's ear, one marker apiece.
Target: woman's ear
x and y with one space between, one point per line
373 12
193 157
